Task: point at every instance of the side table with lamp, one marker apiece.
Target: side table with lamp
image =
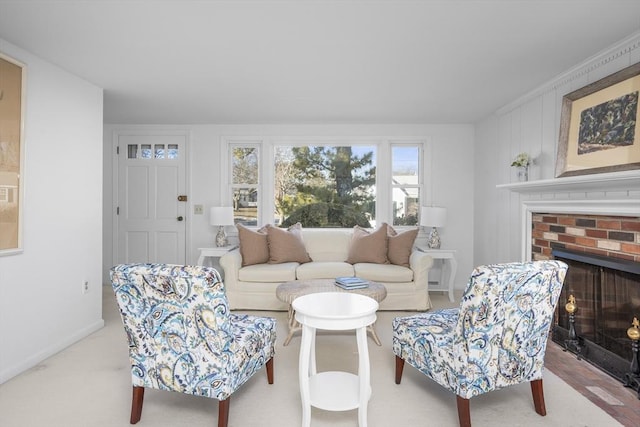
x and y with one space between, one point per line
436 216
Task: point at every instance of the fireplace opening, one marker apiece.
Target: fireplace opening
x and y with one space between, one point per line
607 293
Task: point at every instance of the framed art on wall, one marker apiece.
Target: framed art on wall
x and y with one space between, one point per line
599 126
12 80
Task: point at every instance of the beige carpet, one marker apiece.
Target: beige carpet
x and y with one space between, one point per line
88 384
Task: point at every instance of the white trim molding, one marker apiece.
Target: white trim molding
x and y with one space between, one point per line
613 181
615 194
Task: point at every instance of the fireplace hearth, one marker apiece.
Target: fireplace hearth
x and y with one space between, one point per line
607 296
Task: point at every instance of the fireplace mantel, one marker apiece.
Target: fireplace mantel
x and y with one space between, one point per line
615 194
614 181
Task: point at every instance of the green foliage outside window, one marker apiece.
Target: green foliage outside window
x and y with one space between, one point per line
325 186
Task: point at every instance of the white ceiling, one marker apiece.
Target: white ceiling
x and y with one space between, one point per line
304 61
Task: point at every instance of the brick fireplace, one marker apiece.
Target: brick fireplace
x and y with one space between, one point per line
612 236
603 254
595 216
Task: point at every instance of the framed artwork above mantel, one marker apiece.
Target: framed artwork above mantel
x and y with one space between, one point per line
12 94
599 130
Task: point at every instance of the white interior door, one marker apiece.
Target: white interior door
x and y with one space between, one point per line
151 178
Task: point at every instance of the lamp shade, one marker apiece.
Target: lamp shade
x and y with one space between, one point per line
221 215
433 216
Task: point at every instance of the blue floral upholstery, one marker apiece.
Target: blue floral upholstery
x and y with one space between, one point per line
181 334
496 338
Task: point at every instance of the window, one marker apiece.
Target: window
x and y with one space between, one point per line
405 184
326 183
245 180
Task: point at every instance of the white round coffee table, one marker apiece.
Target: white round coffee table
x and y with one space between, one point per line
334 390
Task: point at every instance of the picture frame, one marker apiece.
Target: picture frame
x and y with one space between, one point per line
600 126
12 108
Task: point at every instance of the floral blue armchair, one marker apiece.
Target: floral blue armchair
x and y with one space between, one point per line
182 336
496 338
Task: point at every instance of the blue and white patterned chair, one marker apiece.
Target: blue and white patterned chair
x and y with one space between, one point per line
496 338
182 336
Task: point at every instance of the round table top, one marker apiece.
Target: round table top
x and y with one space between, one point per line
289 291
335 310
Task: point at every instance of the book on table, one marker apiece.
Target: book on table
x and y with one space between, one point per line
351 282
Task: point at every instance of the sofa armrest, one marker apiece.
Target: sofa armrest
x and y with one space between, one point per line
231 263
420 263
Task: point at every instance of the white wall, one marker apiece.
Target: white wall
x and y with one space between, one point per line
531 124
42 308
452 166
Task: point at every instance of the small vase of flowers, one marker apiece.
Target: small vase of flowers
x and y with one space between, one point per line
522 162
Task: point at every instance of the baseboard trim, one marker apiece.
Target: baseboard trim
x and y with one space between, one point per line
30 362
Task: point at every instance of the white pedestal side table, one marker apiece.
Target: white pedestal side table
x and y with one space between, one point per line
333 390
444 255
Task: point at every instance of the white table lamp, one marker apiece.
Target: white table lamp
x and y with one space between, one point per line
221 216
433 216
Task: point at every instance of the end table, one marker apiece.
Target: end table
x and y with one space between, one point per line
444 255
332 390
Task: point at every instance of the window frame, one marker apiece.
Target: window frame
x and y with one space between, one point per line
420 185
265 187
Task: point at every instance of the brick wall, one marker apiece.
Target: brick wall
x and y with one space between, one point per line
613 236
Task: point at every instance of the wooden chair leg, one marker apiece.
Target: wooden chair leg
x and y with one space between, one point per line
399 369
538 397
270 371
464 416
223 412
136 404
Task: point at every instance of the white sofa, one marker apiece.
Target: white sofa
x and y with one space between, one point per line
253 287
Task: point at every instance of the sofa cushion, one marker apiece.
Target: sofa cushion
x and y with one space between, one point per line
253 245
327 244
324 270
368 246
400 245
286 245
383 273
268 273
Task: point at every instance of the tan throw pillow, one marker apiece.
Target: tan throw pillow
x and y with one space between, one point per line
401 246
286 245
253 245
368 246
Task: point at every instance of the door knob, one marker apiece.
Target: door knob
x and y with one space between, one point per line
180 218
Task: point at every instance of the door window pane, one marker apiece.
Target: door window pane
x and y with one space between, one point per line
173 151
132 151
145 151
159 151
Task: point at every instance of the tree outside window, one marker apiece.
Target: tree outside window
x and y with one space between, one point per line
325 186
